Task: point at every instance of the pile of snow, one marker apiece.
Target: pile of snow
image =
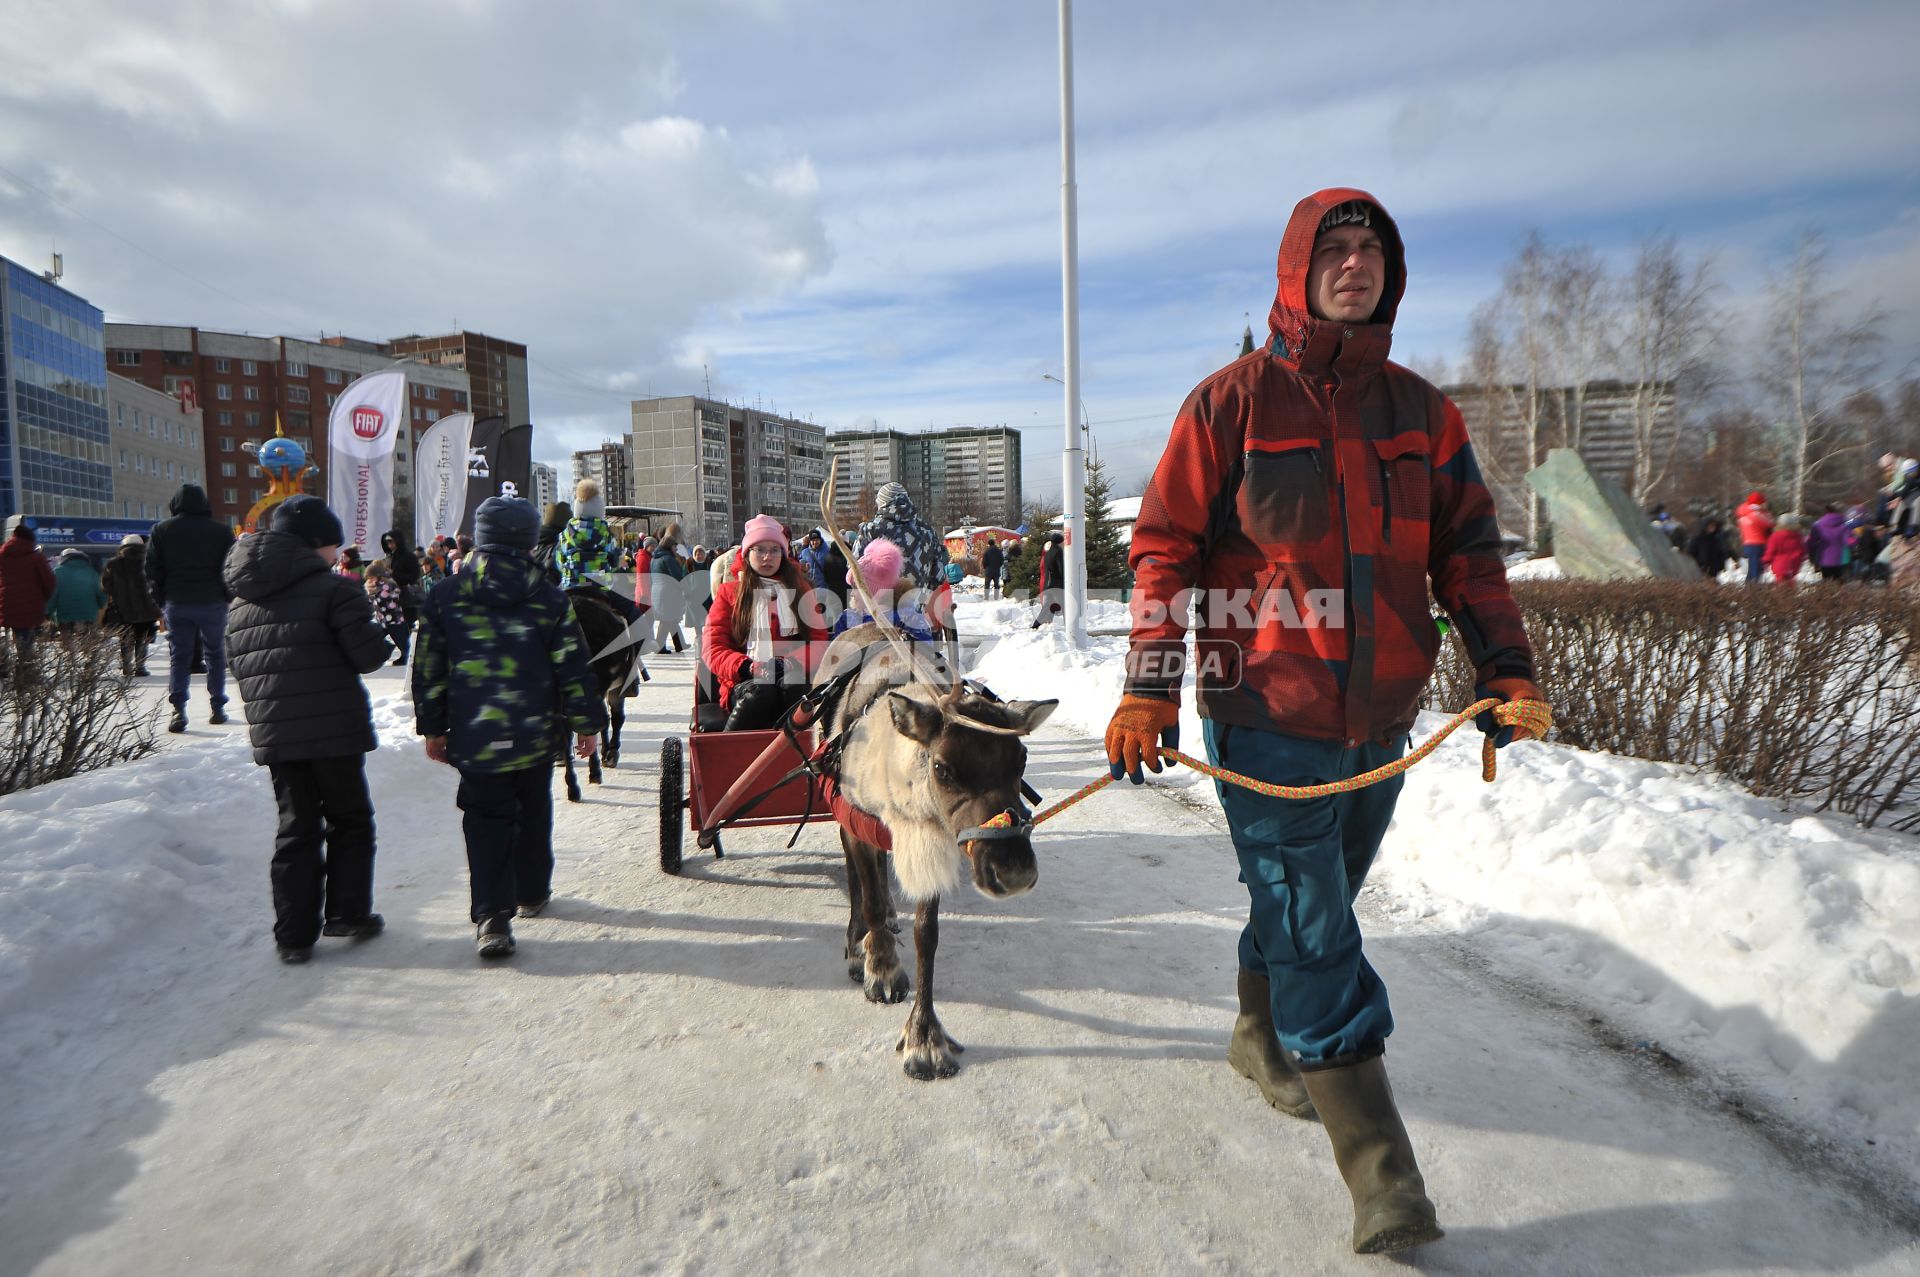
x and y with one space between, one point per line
1776 949
1547 569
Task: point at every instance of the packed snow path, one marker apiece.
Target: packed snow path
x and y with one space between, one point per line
676 1075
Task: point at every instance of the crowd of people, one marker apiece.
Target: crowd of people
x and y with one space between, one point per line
1873 540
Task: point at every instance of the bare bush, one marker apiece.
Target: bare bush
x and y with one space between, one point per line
70 711
1809 695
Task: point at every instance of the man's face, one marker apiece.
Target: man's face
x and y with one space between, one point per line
1348 275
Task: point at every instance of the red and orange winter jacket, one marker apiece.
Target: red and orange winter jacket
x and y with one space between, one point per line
1311 490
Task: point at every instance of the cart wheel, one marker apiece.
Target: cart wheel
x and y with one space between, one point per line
673 812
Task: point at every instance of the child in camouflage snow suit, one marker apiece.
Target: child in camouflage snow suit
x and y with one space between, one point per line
499 675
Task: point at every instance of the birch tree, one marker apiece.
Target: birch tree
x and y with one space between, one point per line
1668 326
1815 357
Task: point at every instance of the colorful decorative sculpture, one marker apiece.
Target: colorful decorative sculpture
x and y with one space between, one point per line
285 462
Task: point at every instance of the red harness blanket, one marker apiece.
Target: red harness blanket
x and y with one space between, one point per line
863 825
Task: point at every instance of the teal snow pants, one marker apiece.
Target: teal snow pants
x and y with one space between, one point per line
1304 861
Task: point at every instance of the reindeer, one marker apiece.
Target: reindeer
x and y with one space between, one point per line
616 664
932 759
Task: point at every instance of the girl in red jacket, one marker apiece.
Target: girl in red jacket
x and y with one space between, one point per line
1786 550
763 634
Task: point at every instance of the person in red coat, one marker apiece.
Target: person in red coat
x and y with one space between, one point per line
26 583
1786 551
764 632
1755 522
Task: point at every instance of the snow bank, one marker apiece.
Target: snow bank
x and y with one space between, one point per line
1776 949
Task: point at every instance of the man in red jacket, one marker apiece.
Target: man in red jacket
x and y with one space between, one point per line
1312 492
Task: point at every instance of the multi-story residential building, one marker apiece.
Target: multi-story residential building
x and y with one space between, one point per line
968 472
607 466
54 441
243 383
156 448
496 370
1597 417
720 464
544 486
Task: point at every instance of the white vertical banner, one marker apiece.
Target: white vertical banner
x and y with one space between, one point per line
440 477
361 431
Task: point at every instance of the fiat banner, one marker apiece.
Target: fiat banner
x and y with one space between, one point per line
440 478
365 423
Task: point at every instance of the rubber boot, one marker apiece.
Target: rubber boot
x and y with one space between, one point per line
1391 1211
1255 1052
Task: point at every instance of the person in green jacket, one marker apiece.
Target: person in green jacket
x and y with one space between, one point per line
500 674
78 597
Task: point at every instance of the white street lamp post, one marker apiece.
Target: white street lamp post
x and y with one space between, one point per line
1074 463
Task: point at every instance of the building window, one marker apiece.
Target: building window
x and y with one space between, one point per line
125 508
433 393
230 495
127 358
225 418
253 419
169 469
416 412
332 399
249 369
227 470
296 370
226 443
335 378
299 394
259 494
433 414
123 458
222 365
250 393
139 464
223 391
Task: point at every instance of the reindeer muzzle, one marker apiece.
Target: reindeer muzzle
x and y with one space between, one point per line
1001 852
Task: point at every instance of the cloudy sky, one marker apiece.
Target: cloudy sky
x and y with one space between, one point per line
849 211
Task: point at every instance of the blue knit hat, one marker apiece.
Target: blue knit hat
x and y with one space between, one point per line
309 519
505 523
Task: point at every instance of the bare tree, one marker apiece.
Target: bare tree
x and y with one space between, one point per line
1576 325
1667 327
1509 369
1815 357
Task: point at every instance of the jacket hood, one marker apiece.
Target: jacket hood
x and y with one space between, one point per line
266 563
1291 326
499 579
191 499
17 546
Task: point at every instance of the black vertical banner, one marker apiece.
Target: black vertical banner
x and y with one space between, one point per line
515 462
483 455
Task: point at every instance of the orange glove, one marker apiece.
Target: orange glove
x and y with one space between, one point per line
1512 689
1139 727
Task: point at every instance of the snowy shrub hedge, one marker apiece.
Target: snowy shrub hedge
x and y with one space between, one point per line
71 711
1805 695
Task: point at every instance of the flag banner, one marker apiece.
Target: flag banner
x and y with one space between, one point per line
514 463
361 431
440 478
483 456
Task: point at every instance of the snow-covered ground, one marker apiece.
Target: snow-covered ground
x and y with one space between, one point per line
674 1074
1778 950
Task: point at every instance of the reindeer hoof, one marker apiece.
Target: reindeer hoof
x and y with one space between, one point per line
885 988
930 1058
573 793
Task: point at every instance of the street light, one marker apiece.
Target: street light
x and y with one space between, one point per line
1086 422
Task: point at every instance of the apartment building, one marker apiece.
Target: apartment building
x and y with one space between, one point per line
496 370
543 487
241 383
720 464
607 466
968 472
156 447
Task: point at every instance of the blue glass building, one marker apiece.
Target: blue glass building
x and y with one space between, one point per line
53 400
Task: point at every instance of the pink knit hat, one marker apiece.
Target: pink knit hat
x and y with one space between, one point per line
763 527
880 565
